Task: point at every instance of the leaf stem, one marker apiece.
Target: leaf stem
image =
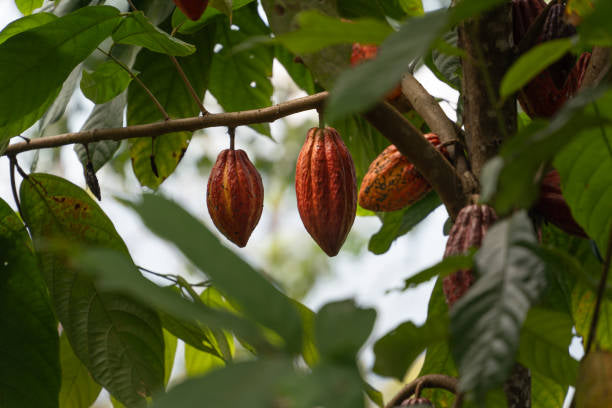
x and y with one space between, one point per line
139 81
190 88
12 161
442 381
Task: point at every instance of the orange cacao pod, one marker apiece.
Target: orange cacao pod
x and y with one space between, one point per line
467 232
594 382
326 188
392 182
364 52
552 206
193 9
235 196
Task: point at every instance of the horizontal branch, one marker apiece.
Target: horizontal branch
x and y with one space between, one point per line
438 171
427 381
231 119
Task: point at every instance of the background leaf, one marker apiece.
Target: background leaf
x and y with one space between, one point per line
28 6
78 388
107 81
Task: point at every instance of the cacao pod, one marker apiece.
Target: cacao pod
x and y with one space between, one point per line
594 382
524 14
552 206
235 196
326 188
364 52
467 232
193 9
392 182
417 403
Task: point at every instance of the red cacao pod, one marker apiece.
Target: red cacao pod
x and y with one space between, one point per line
193 9
235 196
364 52
326 188
524 14
594 382
552 206
467 232
392 182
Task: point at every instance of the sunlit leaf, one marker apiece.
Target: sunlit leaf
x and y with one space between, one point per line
78 388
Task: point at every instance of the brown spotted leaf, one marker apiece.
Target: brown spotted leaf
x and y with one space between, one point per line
119 340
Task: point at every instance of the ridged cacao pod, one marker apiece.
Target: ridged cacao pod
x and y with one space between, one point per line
594 382
326 188
552 206
417 403
364 52
392 182
555 28
235 196
524 13
467 232
193 9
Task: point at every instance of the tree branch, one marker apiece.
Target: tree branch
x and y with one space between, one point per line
427 381
426 158
598 67
231 119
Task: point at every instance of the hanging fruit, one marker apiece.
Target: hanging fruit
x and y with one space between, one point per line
392 182
193 9
235 195
326 188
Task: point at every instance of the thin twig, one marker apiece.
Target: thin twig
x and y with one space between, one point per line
13 160
192 91
269 114
171 278
142 85
442 381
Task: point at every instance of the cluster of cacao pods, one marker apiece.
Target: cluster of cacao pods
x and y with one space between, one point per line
193 9
544 95
392 182
325 186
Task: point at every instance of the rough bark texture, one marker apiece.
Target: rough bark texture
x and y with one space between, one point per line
488 44
518 387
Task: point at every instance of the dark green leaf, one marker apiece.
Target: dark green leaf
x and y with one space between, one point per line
234 277
161 77
341 328
317 31
298 71
396 9
309 349
224 6
136 29
583 305
444 64
105 83
486 322
595 29
39 75
28 6
443 268
544 345
29 350
24 24
78 388
360 88
118 339
241 80
187 26
398 223
532 63
545 392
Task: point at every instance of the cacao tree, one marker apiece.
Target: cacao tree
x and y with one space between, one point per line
524 172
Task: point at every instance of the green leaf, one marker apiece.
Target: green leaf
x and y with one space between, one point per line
136 29
160 75
583 305
486 322
198 362
442 269
298 72
594 29
532 63
360 88
78 388
398 223
170 343
585 166
544 345
28 6
398 349
224 6
118 339
309 349
58 107
29 350
235 278
444 61
545 392
396 9
27 71
317 31
187 26
341 328
105 83
241 80
24 24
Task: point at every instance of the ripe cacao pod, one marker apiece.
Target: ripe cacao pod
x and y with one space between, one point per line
594 382
392 182
364 52
552 206
193 9
326 188
417 403
467 232
235 196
